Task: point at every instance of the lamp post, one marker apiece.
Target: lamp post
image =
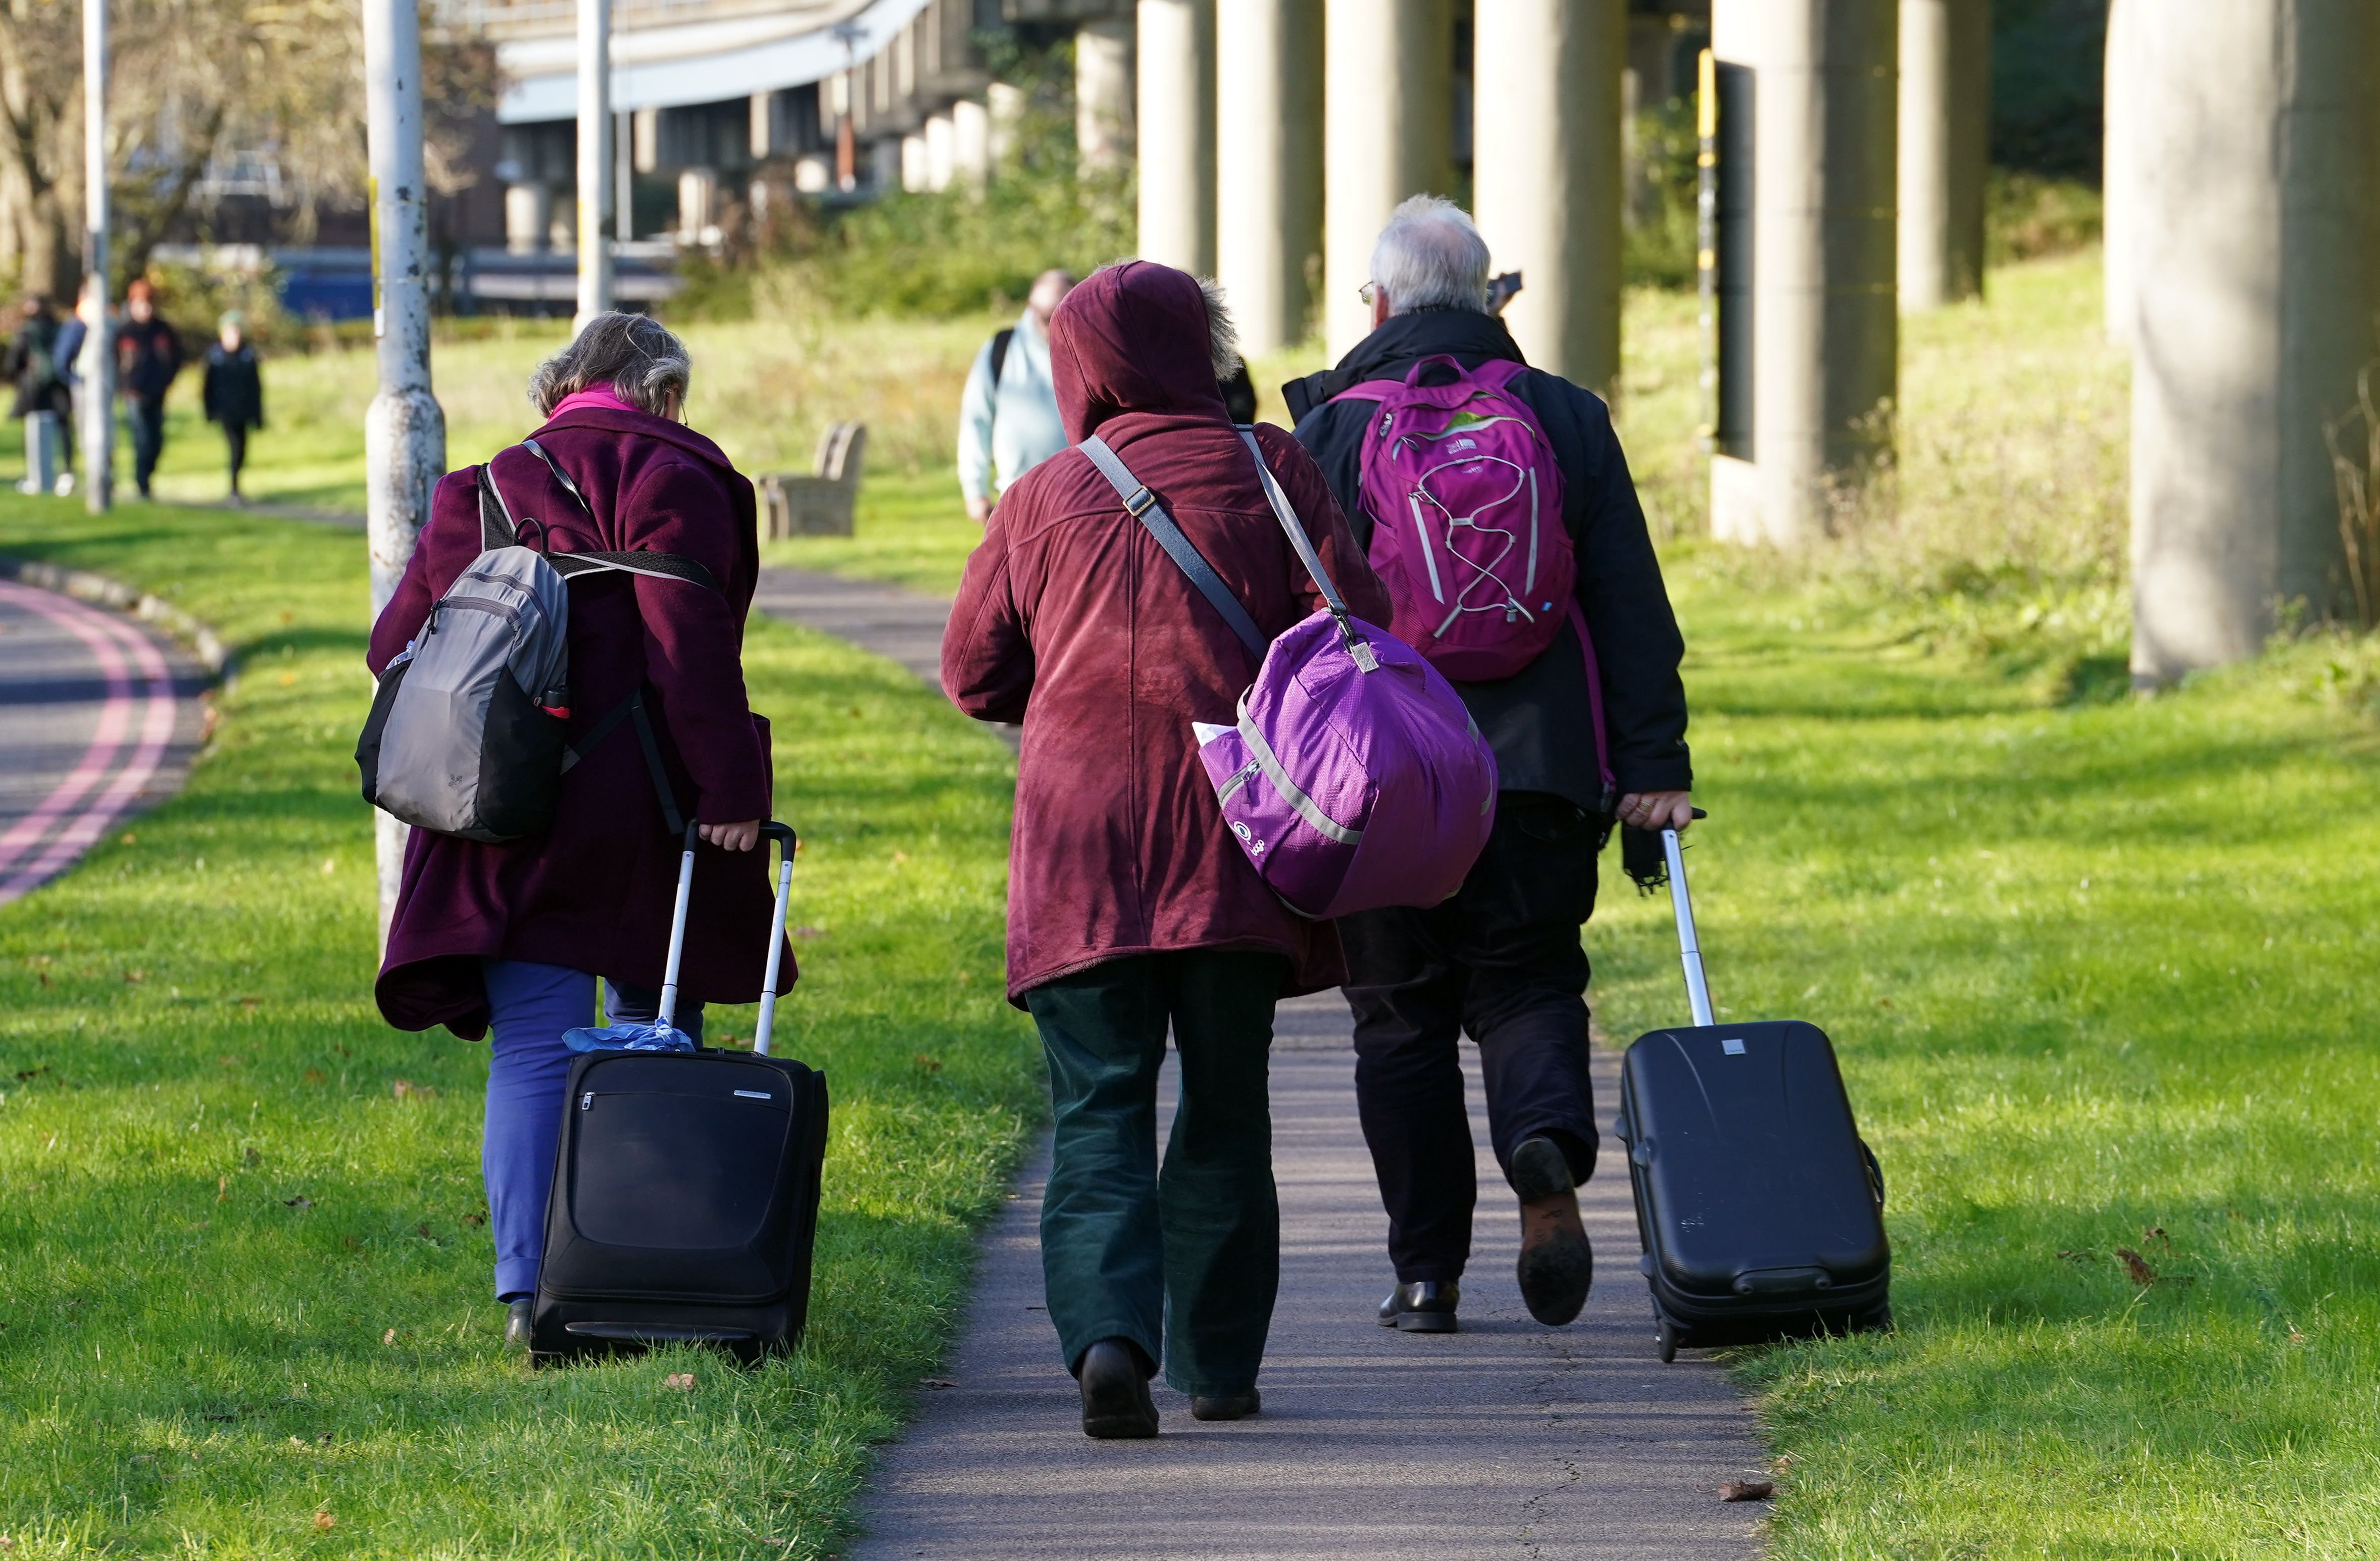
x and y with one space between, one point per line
595 171
97 366
405 433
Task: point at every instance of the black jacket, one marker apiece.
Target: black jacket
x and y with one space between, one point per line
147 358
1538 720
233 392
32 363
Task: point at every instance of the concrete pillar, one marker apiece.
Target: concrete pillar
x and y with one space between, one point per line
971 143
1946 107
2254 197
697 206
1549 193
1174 125
1103 93
884 159
1388 103
2116 173
594 182
1824 336
1268 154
941 152
529 215
913 163
1004 107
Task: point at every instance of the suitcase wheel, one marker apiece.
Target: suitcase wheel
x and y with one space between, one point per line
1877 1321
1666 1333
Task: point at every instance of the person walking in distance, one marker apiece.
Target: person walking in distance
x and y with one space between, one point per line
1131 908
148 357
233 392
507 939
1008 414
1501 960
40 375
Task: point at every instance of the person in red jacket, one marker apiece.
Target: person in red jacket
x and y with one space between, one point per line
513 935
147 358
1130 909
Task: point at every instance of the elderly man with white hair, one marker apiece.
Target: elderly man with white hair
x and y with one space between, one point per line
1008 413
1502 959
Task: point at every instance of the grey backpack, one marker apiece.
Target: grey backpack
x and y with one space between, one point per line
466 734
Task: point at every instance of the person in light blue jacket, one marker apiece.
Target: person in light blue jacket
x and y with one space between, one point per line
1008 416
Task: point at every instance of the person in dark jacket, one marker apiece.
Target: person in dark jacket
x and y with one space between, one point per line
34 365
1502 958
1129 908
232 392
148 357
513 935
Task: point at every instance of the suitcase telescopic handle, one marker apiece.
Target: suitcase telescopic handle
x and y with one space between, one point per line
786 845
1690 953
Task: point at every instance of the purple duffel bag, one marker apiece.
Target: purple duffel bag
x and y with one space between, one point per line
1353 779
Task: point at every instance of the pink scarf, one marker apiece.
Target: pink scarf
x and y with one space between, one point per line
593 395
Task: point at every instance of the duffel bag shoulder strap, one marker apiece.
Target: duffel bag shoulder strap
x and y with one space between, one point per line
1143 506
1357 646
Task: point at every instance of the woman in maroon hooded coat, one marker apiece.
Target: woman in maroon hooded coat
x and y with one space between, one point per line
1129 906
514 935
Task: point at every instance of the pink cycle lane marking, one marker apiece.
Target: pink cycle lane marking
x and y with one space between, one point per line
157 732
115 718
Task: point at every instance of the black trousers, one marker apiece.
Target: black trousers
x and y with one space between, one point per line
1502 961
147 416
235 446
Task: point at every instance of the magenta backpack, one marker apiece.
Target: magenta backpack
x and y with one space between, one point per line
1353 778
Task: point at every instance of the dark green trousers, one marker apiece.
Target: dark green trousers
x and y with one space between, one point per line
1182 1262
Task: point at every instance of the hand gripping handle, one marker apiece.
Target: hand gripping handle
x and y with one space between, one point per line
786 845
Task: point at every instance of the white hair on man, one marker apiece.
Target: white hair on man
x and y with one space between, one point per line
1431 256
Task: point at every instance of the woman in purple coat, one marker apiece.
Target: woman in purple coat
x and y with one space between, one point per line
513 935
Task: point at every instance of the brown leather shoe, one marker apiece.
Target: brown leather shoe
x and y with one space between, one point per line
1116 1405
1557 1264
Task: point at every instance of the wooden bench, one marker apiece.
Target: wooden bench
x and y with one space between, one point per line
818 504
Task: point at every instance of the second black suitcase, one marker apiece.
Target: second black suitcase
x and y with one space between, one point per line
686 1185
1759 1208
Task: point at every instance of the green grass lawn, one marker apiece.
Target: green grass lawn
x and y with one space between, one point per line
244 1275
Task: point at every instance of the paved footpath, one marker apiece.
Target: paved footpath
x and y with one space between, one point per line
1507 1439
99 718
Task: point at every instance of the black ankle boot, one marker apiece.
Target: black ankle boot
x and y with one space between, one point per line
1226 1405
516 1323
1424 1306
1115 1393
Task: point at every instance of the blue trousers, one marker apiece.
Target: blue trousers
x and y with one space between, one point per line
530 1006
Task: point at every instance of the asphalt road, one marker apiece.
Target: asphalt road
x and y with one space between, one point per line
99 718
1505 1440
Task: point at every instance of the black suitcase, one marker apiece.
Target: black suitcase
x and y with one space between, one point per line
685 1186
1759 1208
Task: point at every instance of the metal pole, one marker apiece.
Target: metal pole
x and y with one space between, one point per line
595 171
405 433
97 366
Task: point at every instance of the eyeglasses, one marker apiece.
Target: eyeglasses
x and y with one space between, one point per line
1367 292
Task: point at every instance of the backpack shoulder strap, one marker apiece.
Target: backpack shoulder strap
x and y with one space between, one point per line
1282 511
658 565
1143 506
1000 343
496 525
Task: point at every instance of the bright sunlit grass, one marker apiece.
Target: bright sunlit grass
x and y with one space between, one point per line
245 1275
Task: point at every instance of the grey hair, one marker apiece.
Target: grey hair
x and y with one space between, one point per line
1431 256
1222 331
641 360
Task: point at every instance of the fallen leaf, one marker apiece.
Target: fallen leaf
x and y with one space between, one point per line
300 1202
2156 1233
423 1231
223 1189
936 1382
900 857
2077 1254
313 1076
930 1064
1747 1490
134 978
400 1087
475 1219
252 1156
353 1245
682 1380
2137 1266
329 865
127 837
389 1337
289 680
323 1523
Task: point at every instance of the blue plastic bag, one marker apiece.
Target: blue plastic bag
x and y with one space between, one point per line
627 1038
